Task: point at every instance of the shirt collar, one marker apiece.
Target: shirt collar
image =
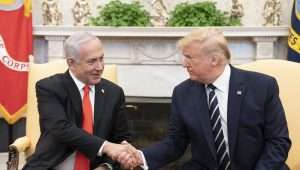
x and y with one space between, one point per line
222 82
79 83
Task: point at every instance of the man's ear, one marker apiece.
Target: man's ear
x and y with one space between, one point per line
215 60
70 61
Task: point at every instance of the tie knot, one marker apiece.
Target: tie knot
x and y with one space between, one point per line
86 89
211 86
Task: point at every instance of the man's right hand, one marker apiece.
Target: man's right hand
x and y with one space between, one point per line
113 149
130 161
124 153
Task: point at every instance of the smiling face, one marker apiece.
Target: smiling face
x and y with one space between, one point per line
90 65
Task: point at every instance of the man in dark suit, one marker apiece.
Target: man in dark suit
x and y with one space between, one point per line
232 119
65 139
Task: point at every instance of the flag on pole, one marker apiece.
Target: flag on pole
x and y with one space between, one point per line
15 48
294 34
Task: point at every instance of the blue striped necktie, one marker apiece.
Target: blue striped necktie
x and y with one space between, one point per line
215 120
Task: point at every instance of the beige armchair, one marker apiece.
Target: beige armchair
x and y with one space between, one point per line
36 72
287 74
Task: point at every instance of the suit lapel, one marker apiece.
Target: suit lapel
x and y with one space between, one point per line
74 96
237 91
100 93
202 114
76 101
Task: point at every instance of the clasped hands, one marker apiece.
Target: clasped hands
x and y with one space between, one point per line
127 155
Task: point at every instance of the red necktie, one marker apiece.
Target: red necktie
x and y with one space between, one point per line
81 161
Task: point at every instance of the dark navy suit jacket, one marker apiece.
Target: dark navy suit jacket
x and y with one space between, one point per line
257 128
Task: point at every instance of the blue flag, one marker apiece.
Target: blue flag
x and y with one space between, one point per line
294 34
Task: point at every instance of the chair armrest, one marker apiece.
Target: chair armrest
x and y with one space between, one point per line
20 145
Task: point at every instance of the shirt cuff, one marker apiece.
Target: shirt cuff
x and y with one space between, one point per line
107 166
101 148
145 165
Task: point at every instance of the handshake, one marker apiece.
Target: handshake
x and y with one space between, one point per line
127 155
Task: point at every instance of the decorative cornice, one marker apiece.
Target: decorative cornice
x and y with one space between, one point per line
39 30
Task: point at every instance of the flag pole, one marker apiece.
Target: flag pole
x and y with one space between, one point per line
10 134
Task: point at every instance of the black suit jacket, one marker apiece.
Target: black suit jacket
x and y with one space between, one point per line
60 110
257 128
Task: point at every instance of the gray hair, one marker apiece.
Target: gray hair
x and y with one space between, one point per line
72 44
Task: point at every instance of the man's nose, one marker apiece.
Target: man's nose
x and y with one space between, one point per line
99 65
